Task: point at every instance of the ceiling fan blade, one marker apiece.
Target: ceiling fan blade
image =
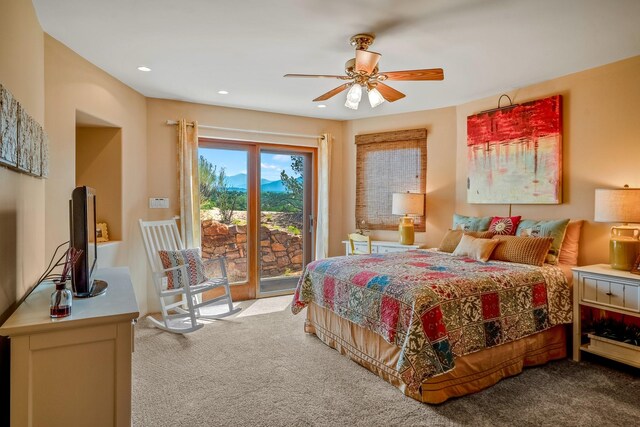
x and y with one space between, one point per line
428 74
332 92
389 93
322 76
366 61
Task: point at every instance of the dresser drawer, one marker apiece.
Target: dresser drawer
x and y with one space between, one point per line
614 293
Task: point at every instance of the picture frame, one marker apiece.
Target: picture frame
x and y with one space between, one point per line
102 233
636 266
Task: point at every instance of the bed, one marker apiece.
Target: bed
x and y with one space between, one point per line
436 325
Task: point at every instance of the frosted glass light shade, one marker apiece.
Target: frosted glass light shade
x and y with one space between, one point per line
354 96
407 204
620 205
375 98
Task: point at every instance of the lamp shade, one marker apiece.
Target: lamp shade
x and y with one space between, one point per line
353 96
375 97
617 205
407 204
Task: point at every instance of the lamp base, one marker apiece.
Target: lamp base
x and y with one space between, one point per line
623 253
406 231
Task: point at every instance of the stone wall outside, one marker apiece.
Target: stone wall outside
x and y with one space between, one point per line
281 251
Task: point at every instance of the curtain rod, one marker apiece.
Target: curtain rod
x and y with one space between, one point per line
296 135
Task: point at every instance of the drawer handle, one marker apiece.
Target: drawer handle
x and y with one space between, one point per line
609 294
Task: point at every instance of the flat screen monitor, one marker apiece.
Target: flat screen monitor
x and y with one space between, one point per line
83 237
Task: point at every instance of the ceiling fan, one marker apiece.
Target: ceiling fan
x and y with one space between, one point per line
362 72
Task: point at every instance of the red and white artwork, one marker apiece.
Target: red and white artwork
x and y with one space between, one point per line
515 154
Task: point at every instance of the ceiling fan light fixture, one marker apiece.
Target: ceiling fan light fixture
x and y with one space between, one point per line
354 96
375 97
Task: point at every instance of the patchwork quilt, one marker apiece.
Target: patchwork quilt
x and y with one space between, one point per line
435 306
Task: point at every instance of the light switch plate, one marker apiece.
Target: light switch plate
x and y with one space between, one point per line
159 202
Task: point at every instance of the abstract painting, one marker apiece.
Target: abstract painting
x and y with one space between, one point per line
8 128
515 154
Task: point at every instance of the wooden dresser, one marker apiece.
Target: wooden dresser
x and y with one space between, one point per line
75 370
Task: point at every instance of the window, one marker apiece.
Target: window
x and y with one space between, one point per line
387 163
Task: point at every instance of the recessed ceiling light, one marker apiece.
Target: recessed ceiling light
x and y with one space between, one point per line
143 68
322 106
223 92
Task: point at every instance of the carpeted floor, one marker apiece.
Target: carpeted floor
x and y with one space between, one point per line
260 369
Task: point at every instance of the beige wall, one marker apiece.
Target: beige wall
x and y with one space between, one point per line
74 85
22 198
601 146
99 165
441 166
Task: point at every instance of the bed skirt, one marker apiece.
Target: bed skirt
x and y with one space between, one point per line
473 372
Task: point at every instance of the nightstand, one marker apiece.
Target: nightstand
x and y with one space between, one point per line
602 287
382 247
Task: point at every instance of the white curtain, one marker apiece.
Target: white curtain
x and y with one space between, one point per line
322 220
189 183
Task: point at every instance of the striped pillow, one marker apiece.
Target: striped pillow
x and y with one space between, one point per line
190 258
523 250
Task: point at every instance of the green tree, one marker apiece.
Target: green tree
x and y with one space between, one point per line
207 175
215 188
294 184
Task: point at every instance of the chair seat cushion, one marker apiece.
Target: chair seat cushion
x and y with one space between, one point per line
194 267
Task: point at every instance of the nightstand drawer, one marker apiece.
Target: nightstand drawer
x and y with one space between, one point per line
362 248
618 294
390 249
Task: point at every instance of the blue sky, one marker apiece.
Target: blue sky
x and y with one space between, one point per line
235 162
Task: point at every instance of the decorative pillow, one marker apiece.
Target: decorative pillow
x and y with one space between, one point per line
476 248
523 250
471 223
569 248
190 258
504 225
453 237
555 229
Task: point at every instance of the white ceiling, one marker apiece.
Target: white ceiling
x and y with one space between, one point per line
197 47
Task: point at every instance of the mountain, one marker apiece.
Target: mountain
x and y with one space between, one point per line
238 182
274 187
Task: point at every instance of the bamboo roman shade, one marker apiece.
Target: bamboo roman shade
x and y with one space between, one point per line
387 163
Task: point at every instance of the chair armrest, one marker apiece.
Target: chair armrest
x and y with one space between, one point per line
218 258
161 273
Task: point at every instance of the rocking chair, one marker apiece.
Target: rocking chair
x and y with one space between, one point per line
184 300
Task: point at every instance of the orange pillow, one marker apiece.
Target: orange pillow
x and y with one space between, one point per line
569 249
523 250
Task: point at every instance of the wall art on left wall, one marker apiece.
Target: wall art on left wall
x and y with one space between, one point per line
24 145
8 128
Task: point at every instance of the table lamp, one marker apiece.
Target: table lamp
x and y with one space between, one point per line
620 205
406 204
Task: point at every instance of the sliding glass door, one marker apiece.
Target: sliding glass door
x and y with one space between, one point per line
256 209
285 218
224 203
